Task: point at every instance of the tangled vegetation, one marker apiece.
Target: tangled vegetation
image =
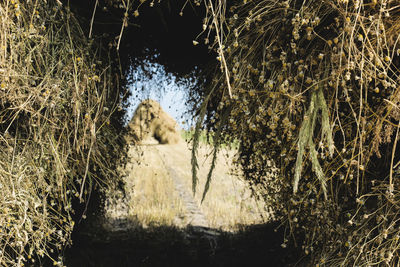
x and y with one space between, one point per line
57 94
311 88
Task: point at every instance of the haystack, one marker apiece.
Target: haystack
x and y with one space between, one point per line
151 121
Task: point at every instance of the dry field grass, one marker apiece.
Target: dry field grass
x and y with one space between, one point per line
153 196
228 203
154 199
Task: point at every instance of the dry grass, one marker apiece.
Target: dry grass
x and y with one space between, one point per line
54 114
314 87
229 202
150 120
152 198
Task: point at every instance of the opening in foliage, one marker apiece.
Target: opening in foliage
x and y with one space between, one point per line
308 90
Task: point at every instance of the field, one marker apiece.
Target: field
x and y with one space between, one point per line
158 187
158 222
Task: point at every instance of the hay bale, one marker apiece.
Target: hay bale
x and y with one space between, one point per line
150 120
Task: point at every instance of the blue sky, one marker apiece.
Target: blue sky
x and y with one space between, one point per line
167 92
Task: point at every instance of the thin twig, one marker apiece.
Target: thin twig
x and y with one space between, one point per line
221 52
86 172
92 20
124 22
391 161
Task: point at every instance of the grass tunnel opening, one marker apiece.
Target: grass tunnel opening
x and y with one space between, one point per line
69 71
156 205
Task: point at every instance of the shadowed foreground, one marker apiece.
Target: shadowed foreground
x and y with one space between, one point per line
258 245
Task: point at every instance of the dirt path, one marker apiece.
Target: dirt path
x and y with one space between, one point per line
194 214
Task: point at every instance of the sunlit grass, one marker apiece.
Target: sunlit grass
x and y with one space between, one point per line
206 138
154 200
154 193
229 202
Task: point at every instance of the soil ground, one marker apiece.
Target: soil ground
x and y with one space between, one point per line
257 245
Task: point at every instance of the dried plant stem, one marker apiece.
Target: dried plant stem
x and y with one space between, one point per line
92 19
221 50
124 22
391 187
86 173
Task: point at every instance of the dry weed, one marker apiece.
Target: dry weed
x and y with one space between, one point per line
313 86
54 121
